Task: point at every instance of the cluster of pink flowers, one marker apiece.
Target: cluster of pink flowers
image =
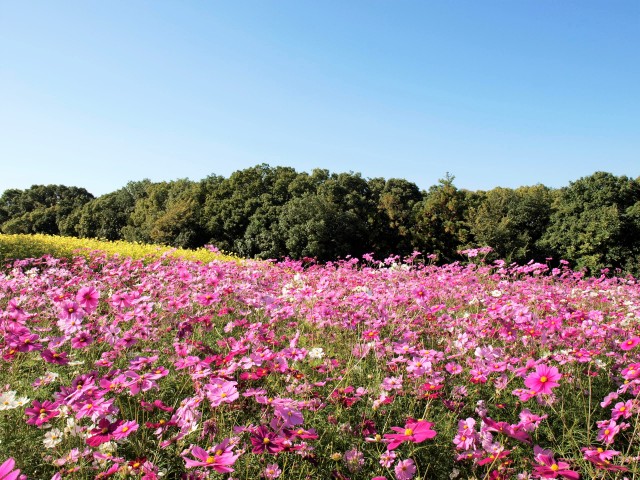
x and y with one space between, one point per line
285 370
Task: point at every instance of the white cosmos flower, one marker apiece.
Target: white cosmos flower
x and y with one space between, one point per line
52 438
316 353
8 400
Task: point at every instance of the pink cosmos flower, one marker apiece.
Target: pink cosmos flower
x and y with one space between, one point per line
219 458
103 432
87 298
608 431
290 416
529 421
41 413
70 311
629 344
221 391
265 441
622 409
7 472
602 459
387 458
271 471
81 340
124 430
413 431
543 379
405 469
59 358
548 468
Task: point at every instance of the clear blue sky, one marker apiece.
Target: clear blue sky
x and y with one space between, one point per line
499 93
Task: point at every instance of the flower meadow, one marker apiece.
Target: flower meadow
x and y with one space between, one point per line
359 369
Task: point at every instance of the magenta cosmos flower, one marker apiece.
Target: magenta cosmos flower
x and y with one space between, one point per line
413 431
629 344
548 468
7 472
543 379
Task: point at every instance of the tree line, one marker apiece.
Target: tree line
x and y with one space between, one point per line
273 212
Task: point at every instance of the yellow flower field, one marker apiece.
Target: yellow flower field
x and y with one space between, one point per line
33 246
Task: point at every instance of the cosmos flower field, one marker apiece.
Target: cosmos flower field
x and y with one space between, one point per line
359 369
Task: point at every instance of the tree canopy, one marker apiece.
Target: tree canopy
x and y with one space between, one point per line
275 212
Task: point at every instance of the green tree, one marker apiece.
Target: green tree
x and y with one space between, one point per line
230 205
40 209
594 223
169 213
512 221
441 225
312 226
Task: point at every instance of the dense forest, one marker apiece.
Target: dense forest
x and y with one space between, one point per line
273 212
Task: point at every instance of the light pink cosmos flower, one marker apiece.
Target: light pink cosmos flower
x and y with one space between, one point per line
221 391
290 416
405 469
543 379
271 471
387 458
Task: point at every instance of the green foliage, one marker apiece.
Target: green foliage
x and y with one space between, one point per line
513 221
40 209
273 212
441 225
106 216
169 214
595 223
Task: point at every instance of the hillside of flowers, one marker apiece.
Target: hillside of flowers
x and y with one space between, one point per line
358 369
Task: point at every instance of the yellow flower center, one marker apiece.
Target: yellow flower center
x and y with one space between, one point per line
554 467
265 440
408 432
210 459
543 379
622 409
125 429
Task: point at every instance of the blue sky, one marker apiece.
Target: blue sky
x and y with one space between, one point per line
498 93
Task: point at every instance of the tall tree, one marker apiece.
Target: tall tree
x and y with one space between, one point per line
594 223
512 221
441 225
